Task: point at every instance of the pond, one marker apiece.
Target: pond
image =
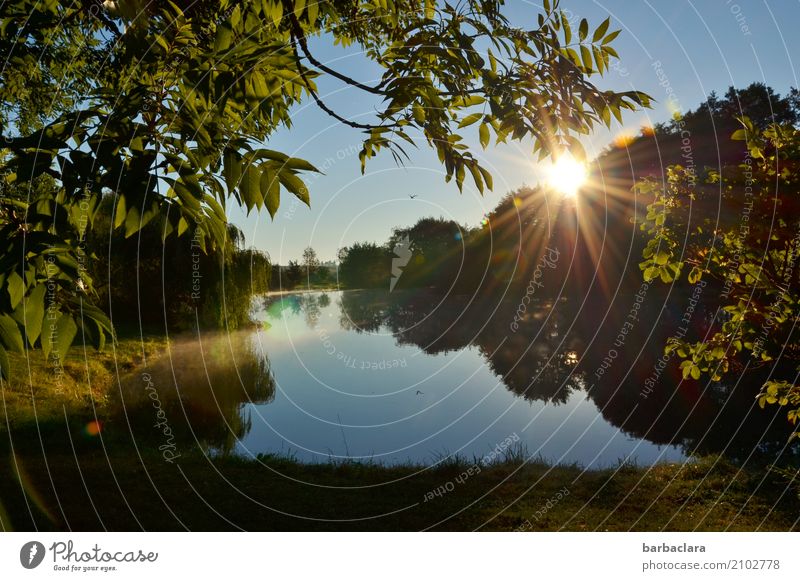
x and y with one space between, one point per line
407 377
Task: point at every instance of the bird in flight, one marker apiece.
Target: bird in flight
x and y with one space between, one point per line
412 196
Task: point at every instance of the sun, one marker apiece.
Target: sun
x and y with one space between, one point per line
567 175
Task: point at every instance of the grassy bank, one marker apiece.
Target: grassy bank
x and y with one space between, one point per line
83 381
118 491
57 474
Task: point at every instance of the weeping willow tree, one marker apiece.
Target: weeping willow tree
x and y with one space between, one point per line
175 285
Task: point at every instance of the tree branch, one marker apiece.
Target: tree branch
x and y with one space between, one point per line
297 32
317 98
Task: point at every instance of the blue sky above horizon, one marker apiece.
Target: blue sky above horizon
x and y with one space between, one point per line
701 46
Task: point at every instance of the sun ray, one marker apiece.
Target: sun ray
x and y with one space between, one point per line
567 175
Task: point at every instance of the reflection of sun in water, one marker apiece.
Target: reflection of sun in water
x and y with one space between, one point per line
566 175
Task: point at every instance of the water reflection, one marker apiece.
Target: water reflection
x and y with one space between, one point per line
411 376
561 349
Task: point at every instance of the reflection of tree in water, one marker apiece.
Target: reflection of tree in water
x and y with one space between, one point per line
364 311
557 351
542 371
202 386
310 305
276 306
697 416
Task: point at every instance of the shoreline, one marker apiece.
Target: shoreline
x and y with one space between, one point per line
280 293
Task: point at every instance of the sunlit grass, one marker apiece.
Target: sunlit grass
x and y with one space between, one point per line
84 379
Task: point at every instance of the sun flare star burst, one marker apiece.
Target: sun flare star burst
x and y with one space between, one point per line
567 175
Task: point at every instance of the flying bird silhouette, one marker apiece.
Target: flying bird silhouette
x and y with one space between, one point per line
412 196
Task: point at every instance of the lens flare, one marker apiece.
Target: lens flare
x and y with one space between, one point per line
93 428
567 175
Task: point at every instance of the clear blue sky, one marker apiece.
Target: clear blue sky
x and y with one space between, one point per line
702 46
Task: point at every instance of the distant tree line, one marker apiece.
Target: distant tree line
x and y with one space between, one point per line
309 272
501 254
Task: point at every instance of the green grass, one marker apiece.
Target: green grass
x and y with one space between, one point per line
120 492
56 476
36 388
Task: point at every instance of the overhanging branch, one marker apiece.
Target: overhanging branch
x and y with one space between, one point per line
320 103
297 32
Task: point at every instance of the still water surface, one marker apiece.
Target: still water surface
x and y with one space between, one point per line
406 377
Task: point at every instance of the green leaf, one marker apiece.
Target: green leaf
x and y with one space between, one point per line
299 164
16 289
661 257
260 88
583 29
34 312
231 168
430 9
57 340
487 177
469 120
4 364
224 36
10 337
599 60
250 188
483 134
586 56
271 190
119 212
418 111
611 36
296 186
313 11
275 10
476 176
183 225
601 30
567 29
573 56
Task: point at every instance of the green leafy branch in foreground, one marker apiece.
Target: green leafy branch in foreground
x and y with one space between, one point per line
739 229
